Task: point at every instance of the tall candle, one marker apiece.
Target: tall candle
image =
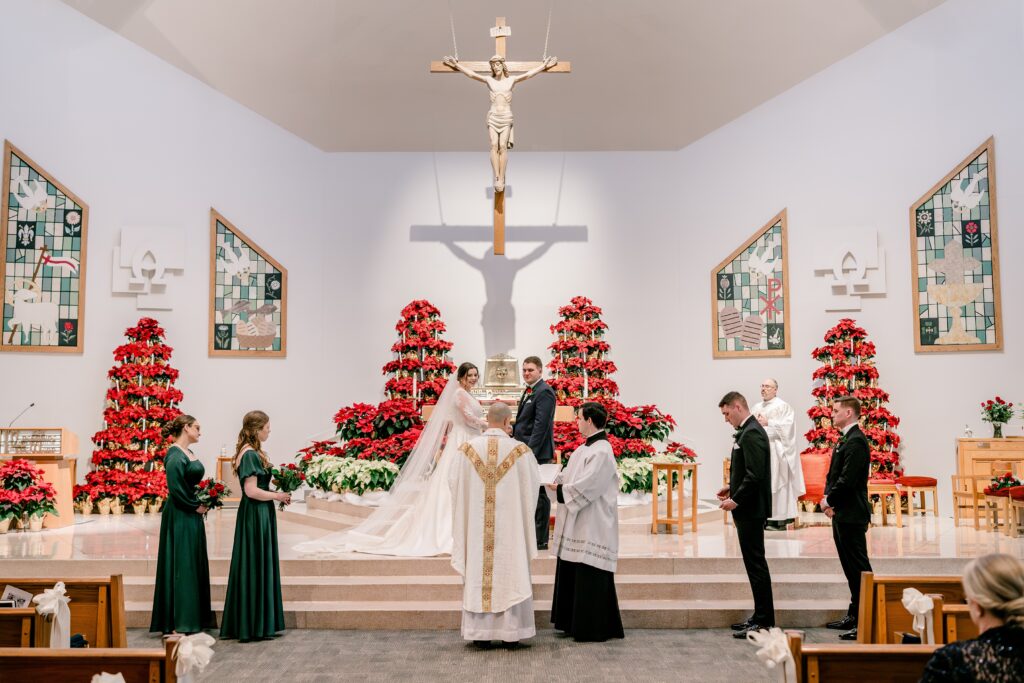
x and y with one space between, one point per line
586 385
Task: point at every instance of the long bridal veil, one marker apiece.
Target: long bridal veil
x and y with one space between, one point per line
410 487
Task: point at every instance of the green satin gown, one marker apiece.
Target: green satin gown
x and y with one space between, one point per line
253 609
181 599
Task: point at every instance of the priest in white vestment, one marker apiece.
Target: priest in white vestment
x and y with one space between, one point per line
584 604
495 485
776 416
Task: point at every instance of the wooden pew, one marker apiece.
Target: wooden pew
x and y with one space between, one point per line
17 626
857 663
97 609
957 624
881 613
151 665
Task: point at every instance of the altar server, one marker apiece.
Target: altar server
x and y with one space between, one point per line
776 416
494 489
586 539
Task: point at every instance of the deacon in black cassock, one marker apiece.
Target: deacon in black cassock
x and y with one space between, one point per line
846 504
586 541
749 497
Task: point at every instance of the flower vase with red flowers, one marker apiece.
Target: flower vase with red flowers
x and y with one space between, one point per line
211 493
998 412
1001 485
287 478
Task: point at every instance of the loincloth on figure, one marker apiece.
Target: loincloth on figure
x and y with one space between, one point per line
501 121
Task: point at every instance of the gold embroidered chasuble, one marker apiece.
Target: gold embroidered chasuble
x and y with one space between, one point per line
494 497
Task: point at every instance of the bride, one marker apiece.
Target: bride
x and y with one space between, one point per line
415 519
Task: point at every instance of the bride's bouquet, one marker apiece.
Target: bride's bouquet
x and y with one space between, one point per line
211 493
287 478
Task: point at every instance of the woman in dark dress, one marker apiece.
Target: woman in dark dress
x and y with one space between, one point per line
994 586
253 609
181 599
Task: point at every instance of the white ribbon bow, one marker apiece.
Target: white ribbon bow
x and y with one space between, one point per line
107 678
191 655
53 603
774 652
920 606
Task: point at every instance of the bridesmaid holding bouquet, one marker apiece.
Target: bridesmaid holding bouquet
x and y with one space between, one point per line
181 599
253 609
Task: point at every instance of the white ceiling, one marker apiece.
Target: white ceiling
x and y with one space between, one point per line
647 74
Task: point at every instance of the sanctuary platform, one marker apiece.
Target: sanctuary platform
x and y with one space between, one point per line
664 581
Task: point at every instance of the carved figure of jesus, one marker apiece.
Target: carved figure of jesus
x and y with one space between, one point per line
499 116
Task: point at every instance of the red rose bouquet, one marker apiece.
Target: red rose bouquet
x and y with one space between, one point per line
287 478
211 493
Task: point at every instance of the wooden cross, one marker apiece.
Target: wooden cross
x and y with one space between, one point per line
500 31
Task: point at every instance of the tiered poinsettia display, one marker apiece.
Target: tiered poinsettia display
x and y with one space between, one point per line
128 460
419 372
581 371
848 369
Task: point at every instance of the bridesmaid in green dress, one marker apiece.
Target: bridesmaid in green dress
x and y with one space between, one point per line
253 609
181 600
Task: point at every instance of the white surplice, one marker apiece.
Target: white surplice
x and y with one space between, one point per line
787 472
494 485
587 521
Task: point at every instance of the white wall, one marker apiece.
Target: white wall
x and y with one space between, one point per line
142 143
854 145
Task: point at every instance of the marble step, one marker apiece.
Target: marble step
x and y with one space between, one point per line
636 614
370 565
433 588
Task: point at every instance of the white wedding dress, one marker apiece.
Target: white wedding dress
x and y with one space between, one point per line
415 519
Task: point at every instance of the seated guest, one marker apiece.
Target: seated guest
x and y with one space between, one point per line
994 586
584 604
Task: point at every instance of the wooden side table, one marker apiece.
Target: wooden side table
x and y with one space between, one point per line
883 490
669 519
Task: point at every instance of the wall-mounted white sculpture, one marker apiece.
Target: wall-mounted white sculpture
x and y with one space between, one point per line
853 267
143 263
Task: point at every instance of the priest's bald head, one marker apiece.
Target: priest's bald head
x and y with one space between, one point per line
499 416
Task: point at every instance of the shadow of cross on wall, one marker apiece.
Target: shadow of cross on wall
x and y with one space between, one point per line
498 318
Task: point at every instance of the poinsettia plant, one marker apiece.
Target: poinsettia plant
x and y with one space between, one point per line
1001 483
24 491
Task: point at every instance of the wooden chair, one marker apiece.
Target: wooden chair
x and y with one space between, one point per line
920 486
884 489
150 665
1016 510
857 663
97 609
17 627
967 493
881 613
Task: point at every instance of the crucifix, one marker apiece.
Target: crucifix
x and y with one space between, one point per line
500 77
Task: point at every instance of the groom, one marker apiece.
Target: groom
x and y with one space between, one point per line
535 426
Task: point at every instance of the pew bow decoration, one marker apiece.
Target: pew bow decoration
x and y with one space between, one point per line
774 652
52 603
191 655
107 678
920 607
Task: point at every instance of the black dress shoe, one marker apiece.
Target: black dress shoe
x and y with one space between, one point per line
482 644
843 624
542 546
743 625
848 635
753 627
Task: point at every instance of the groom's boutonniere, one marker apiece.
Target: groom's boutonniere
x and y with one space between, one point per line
529 391
736 435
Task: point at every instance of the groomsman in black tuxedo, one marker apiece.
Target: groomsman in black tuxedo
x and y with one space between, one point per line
846 504
535 426
749 497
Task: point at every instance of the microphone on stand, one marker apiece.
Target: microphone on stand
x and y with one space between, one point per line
27 408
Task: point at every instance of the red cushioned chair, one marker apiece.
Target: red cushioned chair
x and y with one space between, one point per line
1016 509
920 485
